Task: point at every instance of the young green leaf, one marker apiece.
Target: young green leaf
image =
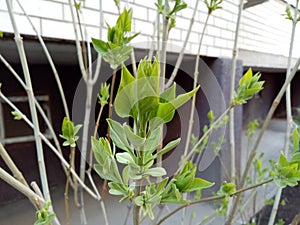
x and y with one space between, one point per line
249 85
103 95
155 172
17 115
124 101
136 140
118 135
69 131
171 145
125 158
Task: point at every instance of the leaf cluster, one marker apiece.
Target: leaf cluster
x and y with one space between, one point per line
288 14
69 131
16 115
103 95
43 217
226 189
213 5
286 173
140 98
177 6
165 192
249 85
115 51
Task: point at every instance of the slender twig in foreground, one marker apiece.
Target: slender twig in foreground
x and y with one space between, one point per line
48 143
12 166
34 198
38 106
24 64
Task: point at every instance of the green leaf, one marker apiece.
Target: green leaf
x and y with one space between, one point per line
118 136
17 115
155 172
152 141
198 184
124 20
100 46
169 94
134 139
124 101
117 56
248 86
226 189
246 78
125 158
103 95
171 145
283 160
69 132
101 149
183 98
165 111
1 34
126 174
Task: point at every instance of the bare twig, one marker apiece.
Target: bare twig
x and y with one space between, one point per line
232 88
37 201
181 54
48 143
11 165
196 73
36 189
38 106
210 129
49 58
296 219
22 55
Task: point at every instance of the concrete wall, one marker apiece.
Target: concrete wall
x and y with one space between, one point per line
263 28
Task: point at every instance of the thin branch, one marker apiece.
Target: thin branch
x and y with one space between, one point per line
37 201
12 166
232 88
296 219
210 129
48 143
51 63
213 198
39 147
78 46
289 117
181 54
36 189
38 106
196 73
111 97
259 138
